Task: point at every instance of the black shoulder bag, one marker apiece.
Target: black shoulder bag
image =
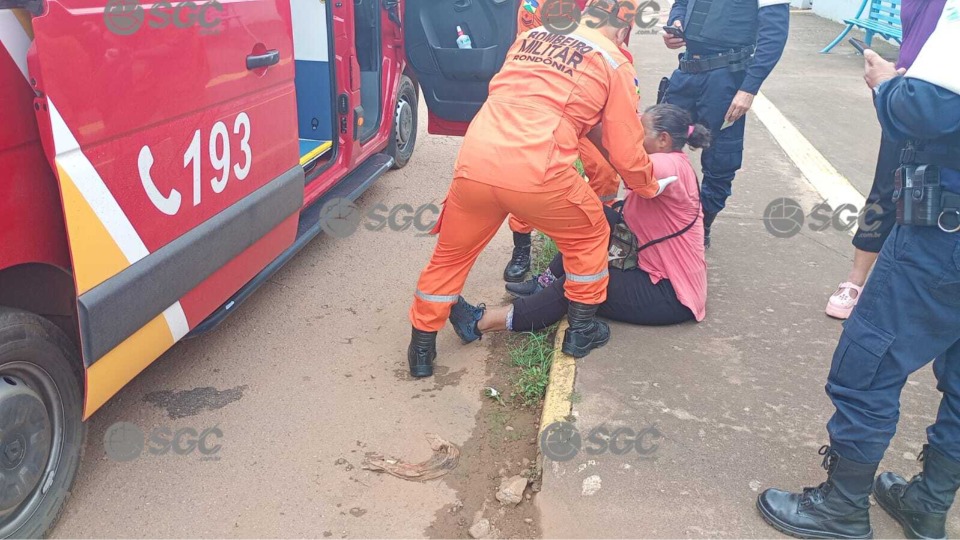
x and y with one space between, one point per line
624 246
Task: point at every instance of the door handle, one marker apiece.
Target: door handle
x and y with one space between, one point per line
462 5
269 58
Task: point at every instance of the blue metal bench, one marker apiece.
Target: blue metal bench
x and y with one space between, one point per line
883 19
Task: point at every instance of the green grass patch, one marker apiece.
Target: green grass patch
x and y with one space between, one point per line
578 164
532 354
544 251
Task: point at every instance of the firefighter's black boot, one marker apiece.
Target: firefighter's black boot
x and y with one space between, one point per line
586 332
526 288
921 504
837 508
519 264
708 219
421 353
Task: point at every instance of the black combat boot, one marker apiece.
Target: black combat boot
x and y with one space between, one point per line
421 353
529 287
586 332
708 219
519 265
837 508
921 504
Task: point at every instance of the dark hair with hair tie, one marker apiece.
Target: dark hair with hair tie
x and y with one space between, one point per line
677 122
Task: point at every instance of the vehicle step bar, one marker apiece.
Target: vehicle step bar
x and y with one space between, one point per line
350 188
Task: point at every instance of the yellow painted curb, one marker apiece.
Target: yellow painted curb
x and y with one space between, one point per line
556 403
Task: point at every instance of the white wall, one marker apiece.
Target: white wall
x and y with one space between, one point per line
837 10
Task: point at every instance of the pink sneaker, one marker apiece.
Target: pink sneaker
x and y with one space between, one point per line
841 303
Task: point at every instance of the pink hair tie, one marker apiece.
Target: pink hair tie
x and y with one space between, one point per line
690 131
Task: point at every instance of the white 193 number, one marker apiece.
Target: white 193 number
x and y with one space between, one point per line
218 150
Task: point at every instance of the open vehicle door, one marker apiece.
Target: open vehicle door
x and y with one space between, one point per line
179 177
454 80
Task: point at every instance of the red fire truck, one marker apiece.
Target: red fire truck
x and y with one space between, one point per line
159 161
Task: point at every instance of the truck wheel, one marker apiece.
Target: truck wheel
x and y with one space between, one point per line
403 136
41 427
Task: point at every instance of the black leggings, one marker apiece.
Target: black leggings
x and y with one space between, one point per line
877 222
631 298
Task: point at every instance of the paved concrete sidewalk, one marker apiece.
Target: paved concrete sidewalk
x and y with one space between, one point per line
738 398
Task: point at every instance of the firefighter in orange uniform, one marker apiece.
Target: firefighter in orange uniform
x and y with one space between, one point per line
517 158
603 179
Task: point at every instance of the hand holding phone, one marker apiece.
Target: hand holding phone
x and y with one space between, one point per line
877 71
673 36
673 31
858 45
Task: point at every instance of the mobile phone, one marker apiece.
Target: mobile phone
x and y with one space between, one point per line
673 31
858 45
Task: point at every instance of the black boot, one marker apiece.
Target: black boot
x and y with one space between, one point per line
921 504
837 508
519 265
708 219
421 353
529 287
586 332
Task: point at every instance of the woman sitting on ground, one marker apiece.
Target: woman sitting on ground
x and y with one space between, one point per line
669 283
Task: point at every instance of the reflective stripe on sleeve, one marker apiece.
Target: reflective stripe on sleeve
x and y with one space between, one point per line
587 279
438 298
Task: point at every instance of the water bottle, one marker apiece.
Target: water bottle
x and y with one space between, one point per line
463 40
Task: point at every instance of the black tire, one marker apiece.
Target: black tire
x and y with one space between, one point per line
403 126
39 364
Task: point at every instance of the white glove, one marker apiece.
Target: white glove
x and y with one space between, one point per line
664 183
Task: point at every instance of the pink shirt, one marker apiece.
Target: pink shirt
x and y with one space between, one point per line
680 259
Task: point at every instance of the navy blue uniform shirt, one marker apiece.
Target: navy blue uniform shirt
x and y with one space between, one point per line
773 27
914 109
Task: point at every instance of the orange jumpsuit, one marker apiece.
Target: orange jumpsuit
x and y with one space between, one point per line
517 158
601 176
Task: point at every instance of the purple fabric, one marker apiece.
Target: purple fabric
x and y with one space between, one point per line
919 19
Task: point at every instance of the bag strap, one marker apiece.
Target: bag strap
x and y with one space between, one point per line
669 236
681 231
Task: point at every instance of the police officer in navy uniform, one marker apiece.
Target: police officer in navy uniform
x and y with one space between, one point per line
731 48
909 312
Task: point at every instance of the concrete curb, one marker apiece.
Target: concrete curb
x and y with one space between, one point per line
563 370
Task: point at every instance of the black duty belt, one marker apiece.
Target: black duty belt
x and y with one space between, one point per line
911 156
736 60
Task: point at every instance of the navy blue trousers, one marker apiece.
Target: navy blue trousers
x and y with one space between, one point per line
707 97
908 316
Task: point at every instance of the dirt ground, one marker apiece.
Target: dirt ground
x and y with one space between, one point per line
504 444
